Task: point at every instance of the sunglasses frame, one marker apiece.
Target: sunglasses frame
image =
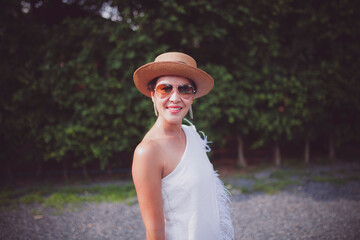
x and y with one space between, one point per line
182 94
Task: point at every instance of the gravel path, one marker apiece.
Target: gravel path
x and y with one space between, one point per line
310 210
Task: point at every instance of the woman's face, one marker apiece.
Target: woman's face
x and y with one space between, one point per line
173 107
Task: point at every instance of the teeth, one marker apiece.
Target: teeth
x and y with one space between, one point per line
175 108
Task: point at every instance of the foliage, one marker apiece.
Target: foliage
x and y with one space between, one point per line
95 114
283 70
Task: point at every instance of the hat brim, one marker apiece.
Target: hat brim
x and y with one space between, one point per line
146 73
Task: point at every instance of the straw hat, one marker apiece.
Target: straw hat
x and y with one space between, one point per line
173 64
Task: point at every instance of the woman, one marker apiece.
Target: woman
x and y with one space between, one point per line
179 193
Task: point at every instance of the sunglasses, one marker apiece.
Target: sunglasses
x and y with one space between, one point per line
185 90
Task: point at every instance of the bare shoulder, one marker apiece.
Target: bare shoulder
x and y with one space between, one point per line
146 157
147 149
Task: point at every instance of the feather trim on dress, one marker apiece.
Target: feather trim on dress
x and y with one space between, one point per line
223 197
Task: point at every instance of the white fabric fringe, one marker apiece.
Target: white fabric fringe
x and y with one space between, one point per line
204 138
223 197
205 142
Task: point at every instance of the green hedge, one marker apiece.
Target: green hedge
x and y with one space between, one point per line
283 70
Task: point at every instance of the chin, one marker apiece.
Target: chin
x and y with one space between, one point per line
174 119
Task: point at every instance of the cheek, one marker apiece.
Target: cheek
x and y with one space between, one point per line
189 102
160 102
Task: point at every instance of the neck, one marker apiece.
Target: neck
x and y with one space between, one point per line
168 128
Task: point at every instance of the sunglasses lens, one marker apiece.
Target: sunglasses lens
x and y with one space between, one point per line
187 90
164 90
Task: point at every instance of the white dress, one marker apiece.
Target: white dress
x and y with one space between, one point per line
195 201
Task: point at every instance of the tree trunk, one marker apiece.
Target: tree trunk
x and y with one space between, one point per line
241 161
277 156
85 172
307 151
65 171
331 148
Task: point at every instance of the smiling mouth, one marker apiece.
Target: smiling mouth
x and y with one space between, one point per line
174 109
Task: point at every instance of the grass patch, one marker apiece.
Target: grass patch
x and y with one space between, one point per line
279 178
73 196
245 190
268 186
244 176
284 174
334 180
31 198
280 174
59 200
272 187
262 167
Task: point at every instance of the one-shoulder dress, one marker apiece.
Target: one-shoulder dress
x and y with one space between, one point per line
195 201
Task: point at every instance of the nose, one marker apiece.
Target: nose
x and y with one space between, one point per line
175 96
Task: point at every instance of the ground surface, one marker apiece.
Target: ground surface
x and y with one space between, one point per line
307 210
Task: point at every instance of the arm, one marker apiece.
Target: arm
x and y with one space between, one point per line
147 173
